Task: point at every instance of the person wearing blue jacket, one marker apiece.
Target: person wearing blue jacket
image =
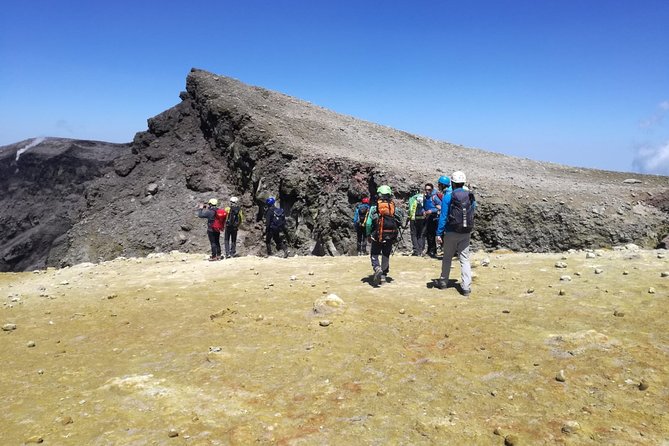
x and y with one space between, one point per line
454 231
431 213
359 217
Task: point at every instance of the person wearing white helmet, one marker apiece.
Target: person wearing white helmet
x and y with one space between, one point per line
215 221
232 224
454 231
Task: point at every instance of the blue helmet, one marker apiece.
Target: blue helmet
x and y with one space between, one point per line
444 180
270 201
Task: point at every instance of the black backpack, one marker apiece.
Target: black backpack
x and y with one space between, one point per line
278 219
460 217
233 218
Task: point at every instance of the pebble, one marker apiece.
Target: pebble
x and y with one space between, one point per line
643 385
661 256
31 344
651 290
570 427
293 278
402 311
664 274
324 323
311 273
560 265
35 439
9 327
617 313
598 270
485 262
625 273
172 433
511 440
560 376
562 292
590 255
530 290
65 420
565 278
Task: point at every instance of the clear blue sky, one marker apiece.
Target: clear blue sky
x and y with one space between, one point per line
578 82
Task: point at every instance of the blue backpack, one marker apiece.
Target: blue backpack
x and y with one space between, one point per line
278 220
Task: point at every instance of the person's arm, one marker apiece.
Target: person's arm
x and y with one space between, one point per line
356 215
441 227
368 221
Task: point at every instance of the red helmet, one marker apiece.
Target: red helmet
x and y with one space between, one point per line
365 200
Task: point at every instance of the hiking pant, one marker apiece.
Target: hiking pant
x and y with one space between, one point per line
215 242
230 242
276 236
362 239
417 228
431 222
454 242
384 249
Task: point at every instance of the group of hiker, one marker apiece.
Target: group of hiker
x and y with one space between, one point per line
442 217
228 220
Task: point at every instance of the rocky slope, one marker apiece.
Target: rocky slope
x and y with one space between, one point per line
226 138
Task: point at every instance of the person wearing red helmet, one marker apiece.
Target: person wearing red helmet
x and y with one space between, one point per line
359 216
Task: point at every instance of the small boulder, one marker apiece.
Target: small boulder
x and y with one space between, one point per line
328 304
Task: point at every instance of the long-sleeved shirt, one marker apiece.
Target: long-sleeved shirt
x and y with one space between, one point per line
443 218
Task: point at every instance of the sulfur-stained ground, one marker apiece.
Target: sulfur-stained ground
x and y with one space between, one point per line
175 350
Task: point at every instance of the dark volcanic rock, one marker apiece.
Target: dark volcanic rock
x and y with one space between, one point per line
226 138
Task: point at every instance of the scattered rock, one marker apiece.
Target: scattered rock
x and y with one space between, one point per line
664 274
643 385
590 255
560 376
661 256
565 278
631 181
324 323
598 271
530 290
152 188
9 327
571 427
651 290
215 349
172 433
293 278
562 292
65 420
402 311
511 440
35 439
625 273
328 304
30 344
560 265
485 261
617 313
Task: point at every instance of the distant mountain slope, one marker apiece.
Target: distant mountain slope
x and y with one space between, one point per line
227 138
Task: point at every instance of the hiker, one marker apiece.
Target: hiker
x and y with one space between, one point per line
383 226
443 187
455 225
215 223
417 224
431 213
233 221
359 217
275 226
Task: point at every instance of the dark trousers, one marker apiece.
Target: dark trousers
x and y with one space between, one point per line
278 240
385 249
431 222
417 228
230 242
362 239
215 242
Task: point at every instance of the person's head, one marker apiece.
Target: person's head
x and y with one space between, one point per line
429 187
365 200
384 191
459 179
213 202
234 200
270 201
444 182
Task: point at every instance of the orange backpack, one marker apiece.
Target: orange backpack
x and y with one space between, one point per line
387 226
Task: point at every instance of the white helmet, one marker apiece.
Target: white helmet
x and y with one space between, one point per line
234 200
459 177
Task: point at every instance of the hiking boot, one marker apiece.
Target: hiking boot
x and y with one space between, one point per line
442 284
213 258
466 293
376 279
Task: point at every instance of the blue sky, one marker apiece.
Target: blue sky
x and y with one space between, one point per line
578 82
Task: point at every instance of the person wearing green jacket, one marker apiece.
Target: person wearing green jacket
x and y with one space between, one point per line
417 224
382 227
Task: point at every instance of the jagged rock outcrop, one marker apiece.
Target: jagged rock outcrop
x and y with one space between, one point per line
226 138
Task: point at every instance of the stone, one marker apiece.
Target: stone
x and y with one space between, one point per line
36 439
562 292
485 261
598 271
559 376
9 327
530 290
643 385
30 344
511 440
631 181
560 265
328 304
625 273
664 274
565 278
152 189
571 427
172 433
65 420
617 313
324 323
402 311
590 255
651 290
